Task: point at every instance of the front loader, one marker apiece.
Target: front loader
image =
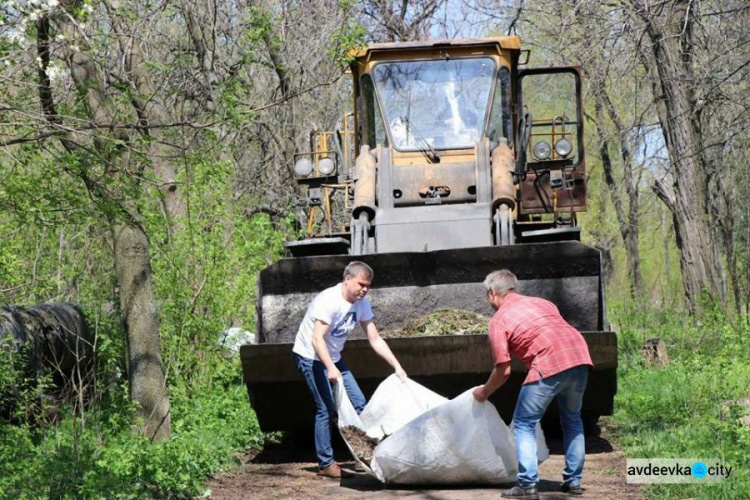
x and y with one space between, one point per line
457 161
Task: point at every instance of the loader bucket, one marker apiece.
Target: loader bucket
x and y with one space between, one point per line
410 285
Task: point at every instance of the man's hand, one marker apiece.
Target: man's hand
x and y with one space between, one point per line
400 373
334 374
479 394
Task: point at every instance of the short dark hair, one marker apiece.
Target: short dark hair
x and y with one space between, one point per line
356 267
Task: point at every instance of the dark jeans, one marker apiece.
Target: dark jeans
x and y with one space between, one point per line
568 387
316 378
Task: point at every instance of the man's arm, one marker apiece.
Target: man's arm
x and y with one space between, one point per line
320 328
380 346
498 377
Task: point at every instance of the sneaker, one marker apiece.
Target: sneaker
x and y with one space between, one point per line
572 489
333 471
525 492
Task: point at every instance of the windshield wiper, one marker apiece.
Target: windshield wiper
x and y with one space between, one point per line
427 150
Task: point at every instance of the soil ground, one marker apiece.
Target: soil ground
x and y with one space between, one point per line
288 470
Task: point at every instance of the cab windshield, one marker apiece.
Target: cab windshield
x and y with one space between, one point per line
437 104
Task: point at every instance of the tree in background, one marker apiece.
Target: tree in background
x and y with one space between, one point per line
401 21
138 114
690 59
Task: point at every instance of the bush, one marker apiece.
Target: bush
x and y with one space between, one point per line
99 457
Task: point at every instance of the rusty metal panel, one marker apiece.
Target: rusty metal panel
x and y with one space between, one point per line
537 197
410 183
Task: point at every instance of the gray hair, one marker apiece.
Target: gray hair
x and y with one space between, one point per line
356 267
502 281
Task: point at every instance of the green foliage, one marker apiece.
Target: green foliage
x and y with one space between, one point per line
99 457
350 36
204 266
22 398
206 272
684 410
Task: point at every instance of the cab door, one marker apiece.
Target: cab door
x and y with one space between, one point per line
552 169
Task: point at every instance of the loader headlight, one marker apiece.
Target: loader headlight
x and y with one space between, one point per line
326 166
542 150
563 147
303 167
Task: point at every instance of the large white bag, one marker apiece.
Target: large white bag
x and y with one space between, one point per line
395 403
459 442
433 440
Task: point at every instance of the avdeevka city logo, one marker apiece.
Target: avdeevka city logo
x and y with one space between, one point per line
676 470
699 470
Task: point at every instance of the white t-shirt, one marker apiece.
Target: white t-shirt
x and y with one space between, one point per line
342 316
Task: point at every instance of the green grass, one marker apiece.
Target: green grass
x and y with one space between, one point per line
675 411
100 457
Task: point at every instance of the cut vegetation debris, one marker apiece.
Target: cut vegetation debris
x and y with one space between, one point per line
362 445
442 322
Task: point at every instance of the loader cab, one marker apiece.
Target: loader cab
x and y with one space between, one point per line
454 144
433 97
551 170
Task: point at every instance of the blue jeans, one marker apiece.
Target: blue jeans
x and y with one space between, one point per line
316 378
568 387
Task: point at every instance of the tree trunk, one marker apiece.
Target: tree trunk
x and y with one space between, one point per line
131 249
669 62
627 218
141 319
151 111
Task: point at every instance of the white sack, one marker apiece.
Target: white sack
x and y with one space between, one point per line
433 440
459 442
396 403
347 413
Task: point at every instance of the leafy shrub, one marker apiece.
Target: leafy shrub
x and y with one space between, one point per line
99 456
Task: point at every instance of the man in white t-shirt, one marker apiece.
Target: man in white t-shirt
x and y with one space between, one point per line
328 322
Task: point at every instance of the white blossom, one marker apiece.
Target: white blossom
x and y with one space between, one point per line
17 36
53 72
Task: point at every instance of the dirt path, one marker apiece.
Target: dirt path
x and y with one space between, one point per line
287 470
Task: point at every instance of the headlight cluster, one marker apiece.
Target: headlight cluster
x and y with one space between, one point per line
326 166
563 147
543 151
304 167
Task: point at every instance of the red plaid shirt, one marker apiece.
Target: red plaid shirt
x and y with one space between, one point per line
533 330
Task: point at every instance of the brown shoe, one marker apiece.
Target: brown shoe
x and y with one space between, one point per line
332 471
358 467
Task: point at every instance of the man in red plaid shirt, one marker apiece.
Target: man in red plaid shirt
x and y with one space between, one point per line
557 356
